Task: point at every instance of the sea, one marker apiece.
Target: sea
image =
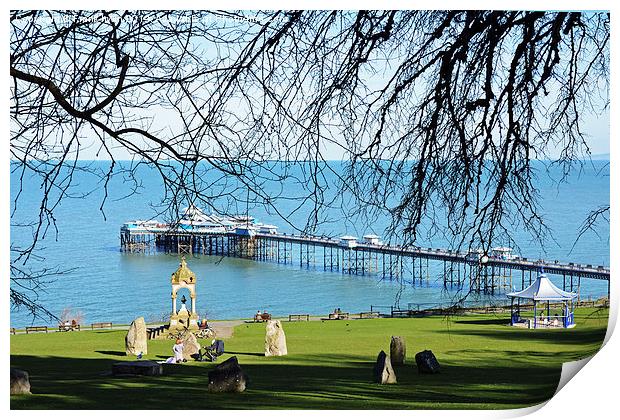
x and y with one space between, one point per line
100 283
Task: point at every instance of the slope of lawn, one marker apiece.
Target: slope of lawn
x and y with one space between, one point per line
485 365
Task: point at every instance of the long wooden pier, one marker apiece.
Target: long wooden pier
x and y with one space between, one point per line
414 265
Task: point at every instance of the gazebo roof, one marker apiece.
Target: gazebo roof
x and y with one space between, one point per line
543 289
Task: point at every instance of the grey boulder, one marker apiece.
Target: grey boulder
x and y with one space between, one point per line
190 345
275 340
397 351
383 371
136 338
20 382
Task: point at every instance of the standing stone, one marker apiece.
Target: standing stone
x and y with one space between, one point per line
427 362
383 371
227 377
275 340
20 382
135 340
397 351
190 345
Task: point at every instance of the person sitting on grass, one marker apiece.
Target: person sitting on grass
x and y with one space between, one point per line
177 349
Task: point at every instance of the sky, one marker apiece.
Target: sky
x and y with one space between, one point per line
595 127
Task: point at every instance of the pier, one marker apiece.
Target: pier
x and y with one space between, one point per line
242 238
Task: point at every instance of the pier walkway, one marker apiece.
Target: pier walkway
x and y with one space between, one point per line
412 264
518 263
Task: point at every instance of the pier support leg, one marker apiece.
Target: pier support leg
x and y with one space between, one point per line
444 274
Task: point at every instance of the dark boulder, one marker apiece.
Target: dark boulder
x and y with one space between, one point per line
138 367
227 377
427 362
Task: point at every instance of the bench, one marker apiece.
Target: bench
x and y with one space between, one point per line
368 315
401 313
339 315
262 317
154 332
13 331
299 317
100 325
70 327
36 329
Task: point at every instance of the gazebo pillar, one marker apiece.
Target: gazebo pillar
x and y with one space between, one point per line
535 321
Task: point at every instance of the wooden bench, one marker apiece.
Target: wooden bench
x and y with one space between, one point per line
299 317
70 327
36 329
262 317
100 325
339 315
13 331
368 315
401 313
154 332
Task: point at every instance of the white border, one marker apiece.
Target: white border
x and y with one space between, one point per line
590 394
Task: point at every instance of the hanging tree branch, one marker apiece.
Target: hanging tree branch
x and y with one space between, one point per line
437 115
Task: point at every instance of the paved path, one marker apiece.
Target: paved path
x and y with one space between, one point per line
224 328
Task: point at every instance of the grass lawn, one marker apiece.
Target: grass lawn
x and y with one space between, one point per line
485 365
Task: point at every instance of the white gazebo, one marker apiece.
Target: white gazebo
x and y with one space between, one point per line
542 290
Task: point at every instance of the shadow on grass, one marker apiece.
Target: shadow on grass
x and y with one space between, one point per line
244 353
498 321
285 383
111 353
551 336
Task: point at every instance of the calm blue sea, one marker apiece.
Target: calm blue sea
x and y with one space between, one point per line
108 285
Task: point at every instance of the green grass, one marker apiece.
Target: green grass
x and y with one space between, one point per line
485 365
